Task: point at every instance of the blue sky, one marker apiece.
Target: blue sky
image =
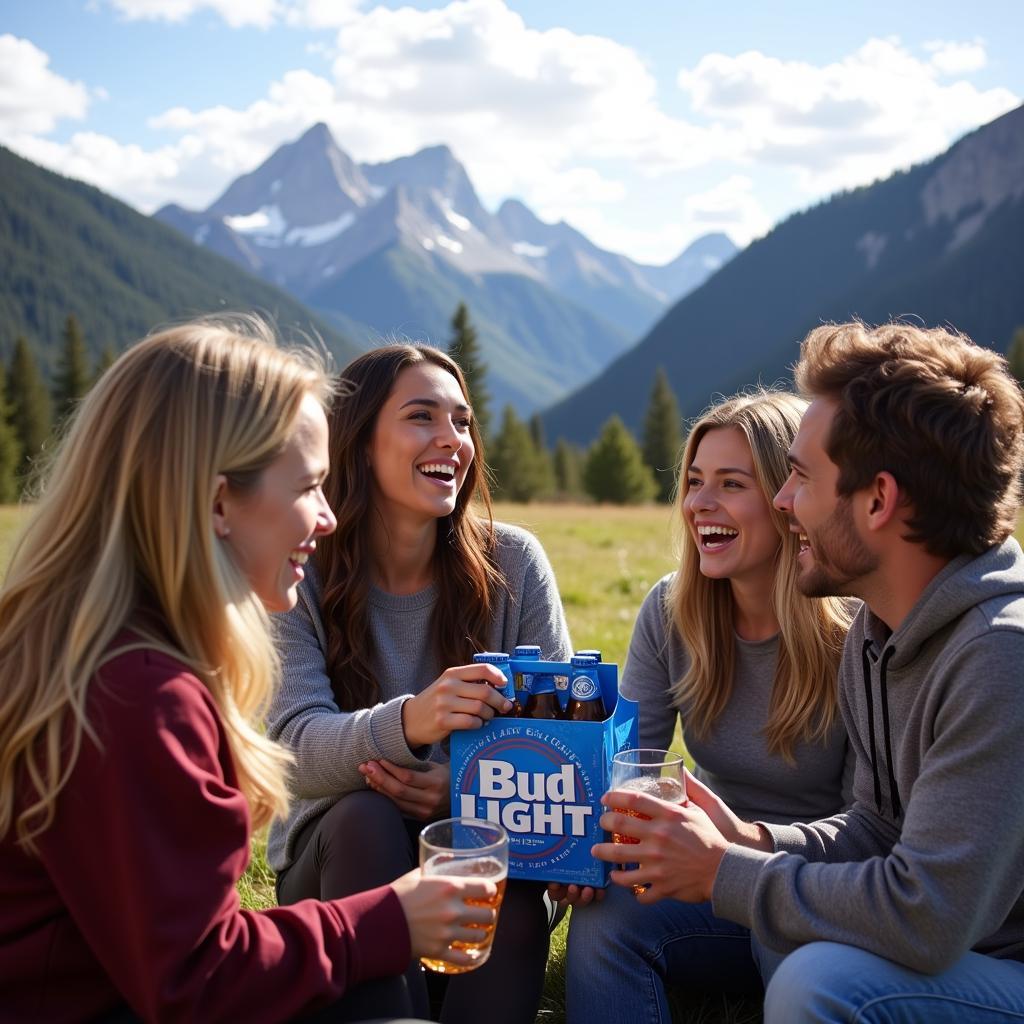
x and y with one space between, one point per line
644 124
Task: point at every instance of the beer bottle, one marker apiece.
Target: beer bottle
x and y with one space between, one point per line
500 661
523 681
585 703
543 700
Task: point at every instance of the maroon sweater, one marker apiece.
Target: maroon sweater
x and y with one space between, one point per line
132 899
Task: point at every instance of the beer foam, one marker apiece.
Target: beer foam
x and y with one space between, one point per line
664 787
487 869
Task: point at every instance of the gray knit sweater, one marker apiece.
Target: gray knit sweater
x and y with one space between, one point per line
733 758
929 861
329 743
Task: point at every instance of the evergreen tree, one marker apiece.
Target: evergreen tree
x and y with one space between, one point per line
537 432
10 450
72 379
104 363
615 469
545 465
465 350
662 435
1015 354
522 473
568 469
29 404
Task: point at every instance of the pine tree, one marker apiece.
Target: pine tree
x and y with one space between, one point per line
465 350
615 469
29 403
537 432
521 472
10 449
662 435
545 465
104 363
72 378
567 464
1015 354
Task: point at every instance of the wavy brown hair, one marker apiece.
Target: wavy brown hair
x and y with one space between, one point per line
941 414
803 704
465 569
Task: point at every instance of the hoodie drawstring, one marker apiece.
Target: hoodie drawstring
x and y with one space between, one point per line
871 723
894 793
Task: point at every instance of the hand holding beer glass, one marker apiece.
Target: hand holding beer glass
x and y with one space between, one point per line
467 848
658 773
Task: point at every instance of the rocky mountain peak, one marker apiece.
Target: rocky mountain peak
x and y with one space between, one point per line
306 182
979 174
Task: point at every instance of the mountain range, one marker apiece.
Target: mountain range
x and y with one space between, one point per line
941 243
388 250
68 248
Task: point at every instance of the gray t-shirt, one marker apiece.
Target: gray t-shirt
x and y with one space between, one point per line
733 758
328 743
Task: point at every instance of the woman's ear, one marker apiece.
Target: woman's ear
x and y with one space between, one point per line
220 507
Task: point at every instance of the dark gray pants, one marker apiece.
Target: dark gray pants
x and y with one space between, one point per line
362 842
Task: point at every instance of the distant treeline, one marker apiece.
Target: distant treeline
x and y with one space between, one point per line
31 409
616 468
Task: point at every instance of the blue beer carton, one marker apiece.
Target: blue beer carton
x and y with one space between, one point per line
543 780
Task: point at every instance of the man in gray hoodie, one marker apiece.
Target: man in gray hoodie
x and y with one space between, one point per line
905 488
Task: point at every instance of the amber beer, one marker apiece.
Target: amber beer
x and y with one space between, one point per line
658 773
467 848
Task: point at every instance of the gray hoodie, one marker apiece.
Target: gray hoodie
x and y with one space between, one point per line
929 861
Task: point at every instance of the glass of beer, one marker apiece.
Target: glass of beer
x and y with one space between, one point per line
467 848
658 773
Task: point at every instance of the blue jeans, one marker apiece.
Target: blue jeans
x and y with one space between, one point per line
825 981
621 955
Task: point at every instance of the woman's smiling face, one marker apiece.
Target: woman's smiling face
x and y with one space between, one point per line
421 447
728 515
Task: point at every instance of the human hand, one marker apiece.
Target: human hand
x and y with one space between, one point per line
574 895
732 828
437 914
677 849
420 794
455 700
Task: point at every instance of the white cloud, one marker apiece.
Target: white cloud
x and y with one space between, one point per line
32 97
729 206
261 13
144 178
957 58
321 13
845 123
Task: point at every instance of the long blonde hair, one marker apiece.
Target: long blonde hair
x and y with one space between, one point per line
122 538
803 702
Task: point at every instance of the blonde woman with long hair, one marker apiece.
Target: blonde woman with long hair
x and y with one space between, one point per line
727 647
136 662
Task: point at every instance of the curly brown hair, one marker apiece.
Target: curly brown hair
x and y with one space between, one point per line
943 415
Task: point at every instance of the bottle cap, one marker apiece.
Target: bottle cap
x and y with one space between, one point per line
490 658
528 651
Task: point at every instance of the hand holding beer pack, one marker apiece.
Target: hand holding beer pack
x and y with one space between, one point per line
438 913
454 701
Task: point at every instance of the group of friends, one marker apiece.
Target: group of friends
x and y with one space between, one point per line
249 595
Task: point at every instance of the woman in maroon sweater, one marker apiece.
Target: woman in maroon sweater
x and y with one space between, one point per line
136 658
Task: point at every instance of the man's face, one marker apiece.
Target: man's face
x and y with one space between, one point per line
833 556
